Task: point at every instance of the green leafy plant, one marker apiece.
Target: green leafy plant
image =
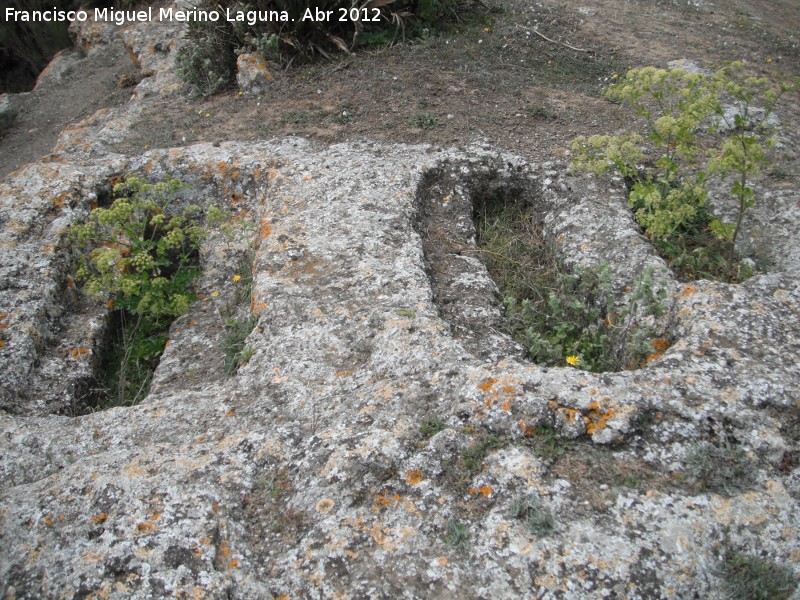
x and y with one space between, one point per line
698 126
140 255
561 315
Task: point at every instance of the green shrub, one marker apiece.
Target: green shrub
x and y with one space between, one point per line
457 534
207 64
691 137
749 577
140 256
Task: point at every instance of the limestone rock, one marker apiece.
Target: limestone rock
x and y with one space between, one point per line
308 473
252 73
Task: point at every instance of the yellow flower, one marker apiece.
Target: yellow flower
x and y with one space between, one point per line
573 360
615 75
215 294
236 278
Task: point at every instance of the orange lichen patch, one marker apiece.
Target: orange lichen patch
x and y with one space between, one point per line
527 430
49 249
3 320
272 174
225 549
506 406
48 520
115 180
197 552
144 528
265 229
384 499
597 418
230 413
234 564
2 343
485 491
99 518
487 384
77 353
442 561
414 477
344 373
283 597
688 291
660 346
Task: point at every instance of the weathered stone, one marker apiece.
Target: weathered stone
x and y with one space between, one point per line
252 73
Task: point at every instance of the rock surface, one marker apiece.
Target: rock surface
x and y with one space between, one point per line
308 472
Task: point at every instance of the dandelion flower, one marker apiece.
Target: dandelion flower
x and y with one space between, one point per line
215 294
573 360
236 278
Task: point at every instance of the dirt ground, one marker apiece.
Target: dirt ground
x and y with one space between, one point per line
492 79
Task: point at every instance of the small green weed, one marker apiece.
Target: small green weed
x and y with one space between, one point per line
425 121
724 470
234 348
540 111
408 313
548 444
431 426
749 577
461 471
457 534
537 518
